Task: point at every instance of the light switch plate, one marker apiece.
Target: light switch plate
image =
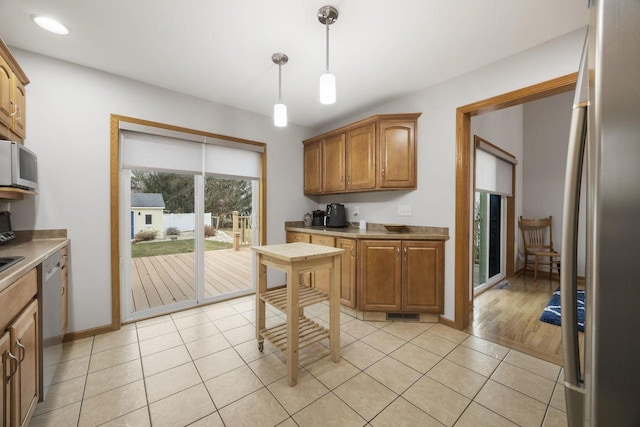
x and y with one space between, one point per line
404 210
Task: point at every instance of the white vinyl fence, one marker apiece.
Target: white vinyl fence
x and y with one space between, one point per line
184 222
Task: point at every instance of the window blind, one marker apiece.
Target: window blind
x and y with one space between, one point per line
494 169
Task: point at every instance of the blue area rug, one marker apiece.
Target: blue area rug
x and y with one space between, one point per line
552 312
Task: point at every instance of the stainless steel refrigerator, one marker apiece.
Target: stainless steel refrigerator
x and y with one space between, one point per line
602 379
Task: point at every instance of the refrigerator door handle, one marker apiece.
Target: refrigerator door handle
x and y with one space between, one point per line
574 380
569 273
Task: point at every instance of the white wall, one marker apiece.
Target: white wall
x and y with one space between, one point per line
433 203
68 118
546 137
504 128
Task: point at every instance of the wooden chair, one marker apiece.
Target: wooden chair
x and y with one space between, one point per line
537 235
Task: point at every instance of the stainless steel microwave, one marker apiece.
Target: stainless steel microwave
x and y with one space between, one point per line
18 166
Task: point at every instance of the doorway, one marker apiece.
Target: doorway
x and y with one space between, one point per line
177 197
464 193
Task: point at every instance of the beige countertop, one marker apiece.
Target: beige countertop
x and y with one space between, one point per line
291 252
34 251
373 231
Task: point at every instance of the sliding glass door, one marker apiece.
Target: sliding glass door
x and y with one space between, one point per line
489 226
187 221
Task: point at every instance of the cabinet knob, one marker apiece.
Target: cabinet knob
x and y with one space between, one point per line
406 252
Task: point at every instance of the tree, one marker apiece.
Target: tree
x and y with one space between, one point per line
222 195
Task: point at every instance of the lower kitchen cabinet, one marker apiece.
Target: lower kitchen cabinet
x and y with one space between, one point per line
401 276
348 282
7 367
379 275
24 343
19 347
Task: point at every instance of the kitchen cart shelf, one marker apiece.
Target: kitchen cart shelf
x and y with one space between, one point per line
306 297
298 331
309 332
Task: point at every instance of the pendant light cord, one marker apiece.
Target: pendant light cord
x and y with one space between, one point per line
327 25
280 83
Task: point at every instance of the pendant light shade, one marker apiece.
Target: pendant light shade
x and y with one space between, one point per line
327 15
279 109
280 115
327 88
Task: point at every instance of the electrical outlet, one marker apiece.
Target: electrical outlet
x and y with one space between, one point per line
4 206
404 210
356 211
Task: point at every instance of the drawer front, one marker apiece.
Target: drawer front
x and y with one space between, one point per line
293 237
15 297
323 240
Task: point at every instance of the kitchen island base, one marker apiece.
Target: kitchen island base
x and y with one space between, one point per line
298 331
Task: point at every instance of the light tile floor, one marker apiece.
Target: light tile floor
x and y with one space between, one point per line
201 367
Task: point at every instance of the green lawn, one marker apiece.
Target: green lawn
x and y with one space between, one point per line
144 249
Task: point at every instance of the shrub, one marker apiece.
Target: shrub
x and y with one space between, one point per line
209 231
146 235
172 231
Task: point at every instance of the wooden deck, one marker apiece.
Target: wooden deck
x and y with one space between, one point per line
165 279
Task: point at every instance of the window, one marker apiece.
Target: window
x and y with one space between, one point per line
147 219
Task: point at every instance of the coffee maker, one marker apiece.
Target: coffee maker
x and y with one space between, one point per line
318 218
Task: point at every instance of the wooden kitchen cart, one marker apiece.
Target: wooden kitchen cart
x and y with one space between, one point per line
298 332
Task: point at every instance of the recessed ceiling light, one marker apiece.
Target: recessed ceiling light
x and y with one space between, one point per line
50 24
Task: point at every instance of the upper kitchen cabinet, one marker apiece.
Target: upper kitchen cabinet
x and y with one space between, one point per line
374 154
12 96
397 149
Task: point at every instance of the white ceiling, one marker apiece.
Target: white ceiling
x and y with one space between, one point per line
221 50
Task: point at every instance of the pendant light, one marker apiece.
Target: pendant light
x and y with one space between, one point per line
279 109
327 15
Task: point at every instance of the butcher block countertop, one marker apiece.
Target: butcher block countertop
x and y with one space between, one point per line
373 231
35 247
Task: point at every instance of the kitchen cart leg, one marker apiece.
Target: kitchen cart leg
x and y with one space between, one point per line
334 310
260 304
292 325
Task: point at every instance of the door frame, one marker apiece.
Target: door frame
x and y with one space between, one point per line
115 199
464 190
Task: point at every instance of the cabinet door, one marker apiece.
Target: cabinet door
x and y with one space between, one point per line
423 276
397 154
321 278
348 271
361 158
24 344
313 167
333 164
64 252
6 88
379 275
19 98
7 368
65 298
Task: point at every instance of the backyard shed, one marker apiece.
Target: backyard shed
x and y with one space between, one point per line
147 213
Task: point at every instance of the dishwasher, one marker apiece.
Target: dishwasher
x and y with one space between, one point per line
51 300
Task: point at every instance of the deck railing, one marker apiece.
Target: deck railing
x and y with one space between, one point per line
241 230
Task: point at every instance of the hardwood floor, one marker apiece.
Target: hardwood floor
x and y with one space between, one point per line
509 315
161 280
